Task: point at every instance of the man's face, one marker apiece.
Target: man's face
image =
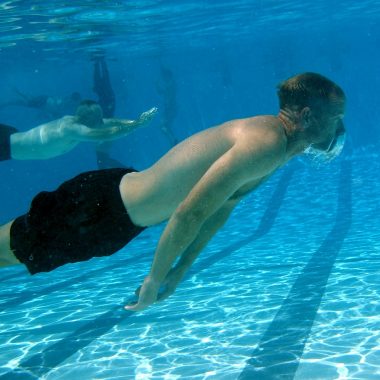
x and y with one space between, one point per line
330 126
328 132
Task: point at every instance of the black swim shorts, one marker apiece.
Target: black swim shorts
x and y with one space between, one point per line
83 218
5 141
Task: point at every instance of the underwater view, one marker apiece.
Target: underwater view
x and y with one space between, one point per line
189 189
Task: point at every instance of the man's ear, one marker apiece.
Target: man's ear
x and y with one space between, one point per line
305 116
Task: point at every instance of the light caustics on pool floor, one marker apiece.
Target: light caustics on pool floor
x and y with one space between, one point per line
288 289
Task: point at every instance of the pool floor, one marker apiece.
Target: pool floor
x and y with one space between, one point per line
288 289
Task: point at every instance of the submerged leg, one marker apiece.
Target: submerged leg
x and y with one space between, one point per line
6 255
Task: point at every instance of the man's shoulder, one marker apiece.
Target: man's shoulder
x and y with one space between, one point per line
68 125
67 121
261 140
265 121
262 130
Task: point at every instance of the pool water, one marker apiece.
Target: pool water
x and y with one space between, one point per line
289 288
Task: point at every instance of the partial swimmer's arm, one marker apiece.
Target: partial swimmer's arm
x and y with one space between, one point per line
112 129
130 125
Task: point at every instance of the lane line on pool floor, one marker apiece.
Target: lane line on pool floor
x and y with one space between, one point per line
280 349
26 296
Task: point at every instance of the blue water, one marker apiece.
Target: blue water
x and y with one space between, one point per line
289 288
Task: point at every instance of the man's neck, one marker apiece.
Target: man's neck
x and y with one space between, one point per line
293 132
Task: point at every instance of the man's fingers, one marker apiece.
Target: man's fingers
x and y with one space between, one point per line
149 114
165 294
162 296
137 291
134 307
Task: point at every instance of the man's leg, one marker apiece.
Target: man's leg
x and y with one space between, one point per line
6 255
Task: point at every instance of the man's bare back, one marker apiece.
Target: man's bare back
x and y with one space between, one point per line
45 141
151 196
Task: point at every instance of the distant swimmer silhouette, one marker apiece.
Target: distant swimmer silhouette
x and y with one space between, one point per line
50 107
62 135
106 99
194 188
103 87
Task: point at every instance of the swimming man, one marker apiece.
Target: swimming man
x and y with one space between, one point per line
62 135
195 187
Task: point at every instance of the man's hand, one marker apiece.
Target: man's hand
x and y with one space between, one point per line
147 116
147 295
171 282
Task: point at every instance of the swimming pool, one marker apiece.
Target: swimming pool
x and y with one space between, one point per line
289 287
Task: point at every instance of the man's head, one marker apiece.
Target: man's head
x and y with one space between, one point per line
89 113
319 105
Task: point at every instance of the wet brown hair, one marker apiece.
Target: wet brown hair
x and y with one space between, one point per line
89 113
309 90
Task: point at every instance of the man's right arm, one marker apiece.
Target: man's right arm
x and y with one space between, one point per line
207 231
143 119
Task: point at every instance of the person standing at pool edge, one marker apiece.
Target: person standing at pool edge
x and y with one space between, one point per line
195 186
